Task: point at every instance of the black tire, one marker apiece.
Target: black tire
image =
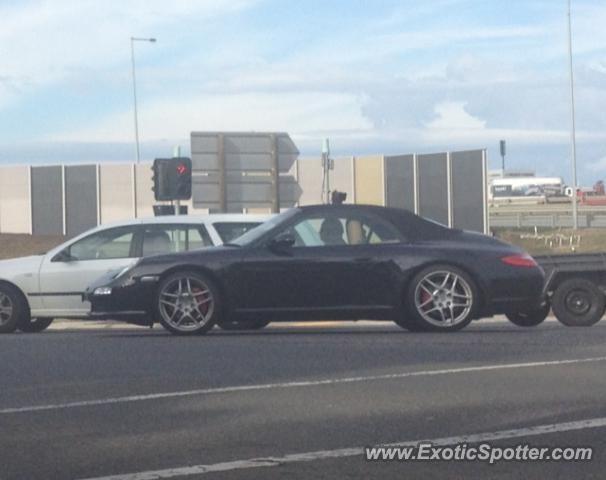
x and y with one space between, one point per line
244 325
193 311
35 325
13 309
531 318
428 307
578 303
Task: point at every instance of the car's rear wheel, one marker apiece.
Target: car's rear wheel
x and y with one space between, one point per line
188 303
243 325
13 309
578 303
441 298
35 325
530 318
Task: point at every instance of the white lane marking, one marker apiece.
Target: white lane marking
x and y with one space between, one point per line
355 451
309 383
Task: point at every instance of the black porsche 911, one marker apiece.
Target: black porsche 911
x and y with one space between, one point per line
331 262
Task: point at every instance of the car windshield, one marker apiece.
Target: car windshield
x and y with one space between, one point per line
229 231
256 233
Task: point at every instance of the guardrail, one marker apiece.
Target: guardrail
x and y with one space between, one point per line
546 220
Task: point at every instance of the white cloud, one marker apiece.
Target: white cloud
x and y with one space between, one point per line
175 119
455 126
409 79
42 41
452 116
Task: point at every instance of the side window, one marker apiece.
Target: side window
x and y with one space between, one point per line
343 230
159 239
306 233
112 243
198 237
369 230
229 231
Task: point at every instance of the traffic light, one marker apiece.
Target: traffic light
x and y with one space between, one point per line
183 180
172 178
159 177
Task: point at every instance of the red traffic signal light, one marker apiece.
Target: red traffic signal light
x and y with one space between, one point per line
172 178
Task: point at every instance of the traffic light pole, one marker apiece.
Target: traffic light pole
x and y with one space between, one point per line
275 173
177 154
575 204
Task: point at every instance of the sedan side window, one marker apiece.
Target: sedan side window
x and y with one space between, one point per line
229 231
112 243
160 239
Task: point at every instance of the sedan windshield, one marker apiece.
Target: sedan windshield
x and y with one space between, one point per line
256 233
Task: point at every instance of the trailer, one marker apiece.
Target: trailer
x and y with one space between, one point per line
575 287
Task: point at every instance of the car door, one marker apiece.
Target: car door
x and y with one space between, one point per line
65 275
327 270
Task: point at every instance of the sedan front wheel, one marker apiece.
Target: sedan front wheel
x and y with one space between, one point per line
35 325
187 303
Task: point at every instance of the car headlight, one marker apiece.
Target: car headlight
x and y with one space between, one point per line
102 291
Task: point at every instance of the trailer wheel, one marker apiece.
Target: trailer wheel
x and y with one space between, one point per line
578 303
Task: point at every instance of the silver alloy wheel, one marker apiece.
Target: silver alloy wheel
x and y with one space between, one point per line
186 303
6 309
443 298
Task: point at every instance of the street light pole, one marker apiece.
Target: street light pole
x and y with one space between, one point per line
575 206
132 56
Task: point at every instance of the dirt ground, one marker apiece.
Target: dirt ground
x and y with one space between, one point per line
555 241
18 245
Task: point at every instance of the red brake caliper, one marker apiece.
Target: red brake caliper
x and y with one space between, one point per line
203 306
425 296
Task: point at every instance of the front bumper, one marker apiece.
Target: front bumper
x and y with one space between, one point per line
126 298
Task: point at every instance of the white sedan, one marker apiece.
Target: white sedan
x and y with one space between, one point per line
35 290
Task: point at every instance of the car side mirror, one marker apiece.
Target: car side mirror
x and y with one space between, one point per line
282 242
63 256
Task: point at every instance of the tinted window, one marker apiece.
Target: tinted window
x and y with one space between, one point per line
343 230
159 239
112 243
229 231
256 233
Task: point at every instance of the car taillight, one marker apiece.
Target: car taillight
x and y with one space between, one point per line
520 260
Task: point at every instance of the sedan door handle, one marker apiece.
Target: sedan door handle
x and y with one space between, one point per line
362 259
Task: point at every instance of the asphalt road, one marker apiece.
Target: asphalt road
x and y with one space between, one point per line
144 404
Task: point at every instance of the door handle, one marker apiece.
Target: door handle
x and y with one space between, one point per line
362 259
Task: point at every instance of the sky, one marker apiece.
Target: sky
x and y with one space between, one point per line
373 76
